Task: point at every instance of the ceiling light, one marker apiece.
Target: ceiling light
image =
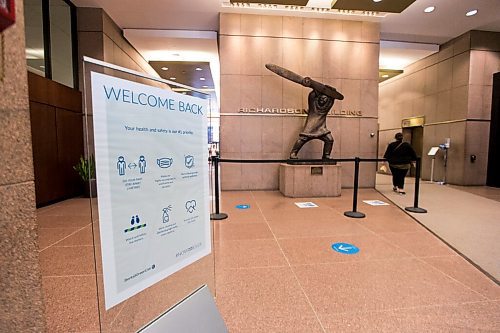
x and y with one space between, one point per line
173 78
385 75
471 12
202 79
204 86
164 68
429 9
377 0
198 69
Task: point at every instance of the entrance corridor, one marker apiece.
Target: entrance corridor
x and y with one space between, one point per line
275 269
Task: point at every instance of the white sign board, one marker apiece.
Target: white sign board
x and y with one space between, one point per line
152 182
433 151
306 204
376 203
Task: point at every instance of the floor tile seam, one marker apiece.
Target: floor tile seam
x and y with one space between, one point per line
453 248
73 233
330 236
68 276
402 249
311 306
116 317
251 267
358 261
417 307
65 246
453 279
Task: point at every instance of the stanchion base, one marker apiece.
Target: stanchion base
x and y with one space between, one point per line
356 215
416 210
220 216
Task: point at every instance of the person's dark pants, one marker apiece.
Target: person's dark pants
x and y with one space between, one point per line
398 177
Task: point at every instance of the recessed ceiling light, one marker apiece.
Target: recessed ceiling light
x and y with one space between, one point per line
164 68
202 79
173 78
198 69
429 9
471 12
377 0
204 86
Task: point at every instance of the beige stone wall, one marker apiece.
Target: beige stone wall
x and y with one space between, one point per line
100 38
452 90
21 306
343 54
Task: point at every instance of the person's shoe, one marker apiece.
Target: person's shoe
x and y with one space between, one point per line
394 188
400 191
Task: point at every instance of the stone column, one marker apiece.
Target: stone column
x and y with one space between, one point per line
21 305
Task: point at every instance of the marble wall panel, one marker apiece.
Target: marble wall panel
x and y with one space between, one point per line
445 75
459 102
272 53
230 23
250 57
292 27
230 98
229 50
460 70
251 25
272 26
329 51
476 67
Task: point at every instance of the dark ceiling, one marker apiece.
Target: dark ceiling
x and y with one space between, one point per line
186 73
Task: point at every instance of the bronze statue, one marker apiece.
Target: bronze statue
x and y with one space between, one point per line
320 101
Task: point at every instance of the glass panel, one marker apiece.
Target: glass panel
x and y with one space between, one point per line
61 47
34 36
139 309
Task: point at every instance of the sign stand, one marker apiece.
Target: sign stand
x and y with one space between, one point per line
432 152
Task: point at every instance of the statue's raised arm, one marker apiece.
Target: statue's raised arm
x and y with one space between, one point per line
320 101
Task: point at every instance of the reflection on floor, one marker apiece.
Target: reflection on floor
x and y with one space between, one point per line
276 270
67 265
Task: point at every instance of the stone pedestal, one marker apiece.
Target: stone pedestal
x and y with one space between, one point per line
308 180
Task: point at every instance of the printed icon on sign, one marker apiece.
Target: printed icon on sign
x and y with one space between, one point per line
190 206
164 162
165 216
121 165
135 222
189 161
142 164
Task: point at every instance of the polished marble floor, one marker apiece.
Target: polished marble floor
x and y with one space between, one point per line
276 271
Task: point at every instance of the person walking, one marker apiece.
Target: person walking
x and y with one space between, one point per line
400 155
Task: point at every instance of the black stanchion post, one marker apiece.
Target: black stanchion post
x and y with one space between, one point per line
354 213
415 208
217 215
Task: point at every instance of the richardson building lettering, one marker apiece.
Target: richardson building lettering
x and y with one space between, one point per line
333 112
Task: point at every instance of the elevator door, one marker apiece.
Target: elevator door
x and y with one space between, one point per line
415 136
493 175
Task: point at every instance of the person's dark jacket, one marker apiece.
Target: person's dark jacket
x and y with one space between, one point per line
398 152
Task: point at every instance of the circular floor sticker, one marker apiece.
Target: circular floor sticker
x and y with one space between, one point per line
242 206
345 248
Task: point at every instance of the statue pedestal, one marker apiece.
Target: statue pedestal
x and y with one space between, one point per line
310 180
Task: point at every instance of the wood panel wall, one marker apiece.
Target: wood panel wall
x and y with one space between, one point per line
57 135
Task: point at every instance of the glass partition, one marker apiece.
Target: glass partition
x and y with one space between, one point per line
129 228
